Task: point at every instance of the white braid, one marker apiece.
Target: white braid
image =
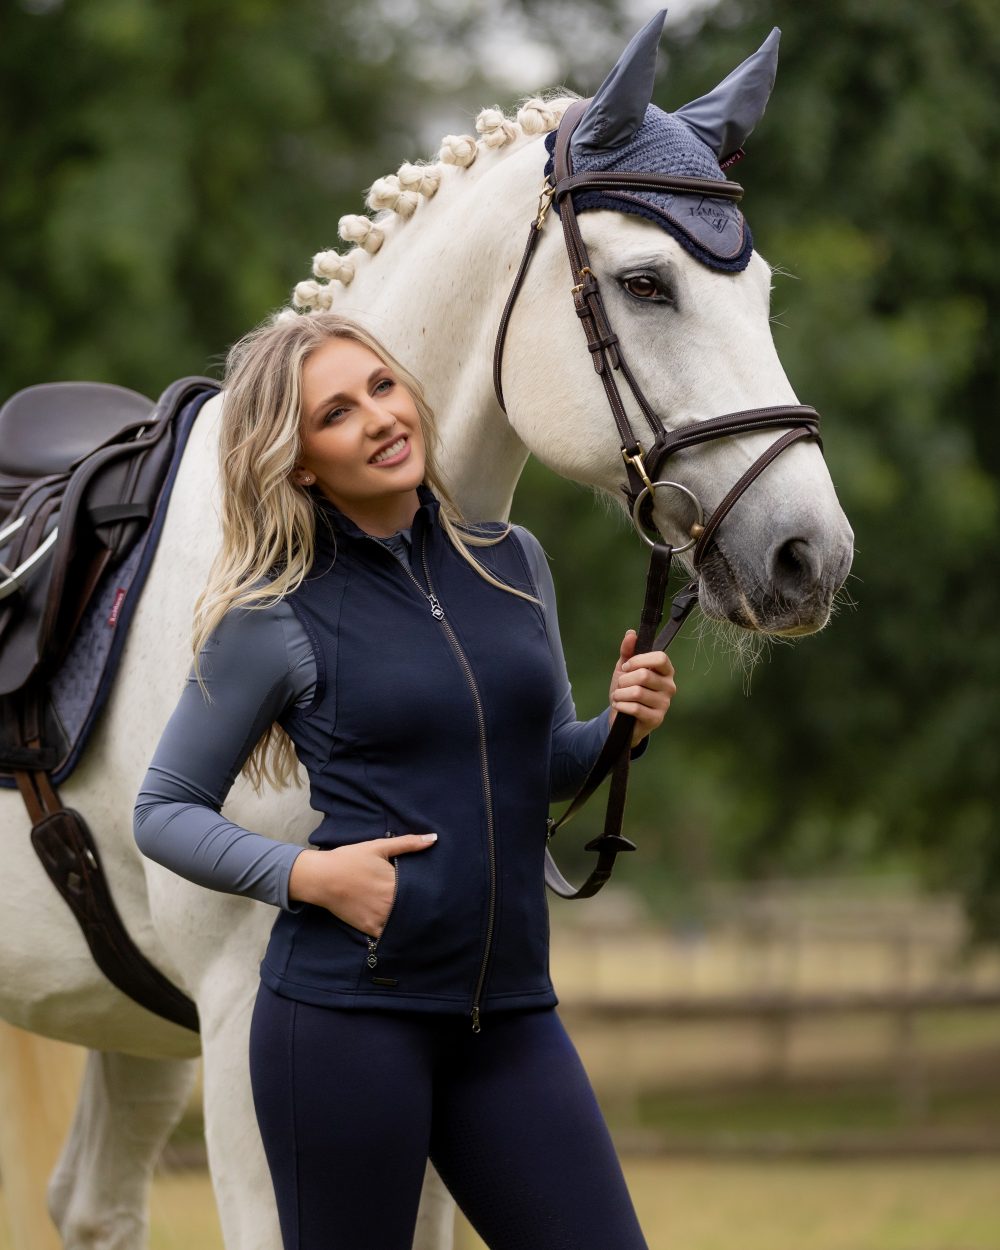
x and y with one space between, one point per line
334 266
362 231
313 296
400 193
537 116
387 193
495 128
305 293
459 150
421 179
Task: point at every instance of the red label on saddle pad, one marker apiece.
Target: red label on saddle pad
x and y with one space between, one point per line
116 607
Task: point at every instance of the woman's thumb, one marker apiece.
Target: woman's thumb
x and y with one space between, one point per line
627 649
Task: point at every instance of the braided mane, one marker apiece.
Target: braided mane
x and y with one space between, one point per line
396 197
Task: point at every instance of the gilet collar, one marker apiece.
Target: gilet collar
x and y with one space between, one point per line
329 516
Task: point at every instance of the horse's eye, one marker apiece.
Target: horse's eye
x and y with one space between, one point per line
643 287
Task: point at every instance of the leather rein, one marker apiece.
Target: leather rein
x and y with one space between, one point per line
643 467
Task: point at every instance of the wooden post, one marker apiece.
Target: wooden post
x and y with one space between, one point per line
39 1083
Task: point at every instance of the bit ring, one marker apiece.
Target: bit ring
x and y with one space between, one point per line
699 514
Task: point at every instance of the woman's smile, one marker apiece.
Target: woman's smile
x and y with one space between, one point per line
395 453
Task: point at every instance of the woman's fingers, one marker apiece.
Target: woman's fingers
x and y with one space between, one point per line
646 696
642 687
657 661
648 678
401 843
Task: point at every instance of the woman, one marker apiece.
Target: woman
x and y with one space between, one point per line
353 622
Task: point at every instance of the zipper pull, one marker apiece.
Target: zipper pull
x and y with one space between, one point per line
372 957
436 609
475 1020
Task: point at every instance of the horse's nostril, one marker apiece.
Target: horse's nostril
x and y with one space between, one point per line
795 567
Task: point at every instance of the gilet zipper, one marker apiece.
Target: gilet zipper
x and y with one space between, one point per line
438 613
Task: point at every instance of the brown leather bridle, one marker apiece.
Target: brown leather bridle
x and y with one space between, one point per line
642 466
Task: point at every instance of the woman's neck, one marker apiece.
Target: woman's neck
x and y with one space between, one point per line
380 517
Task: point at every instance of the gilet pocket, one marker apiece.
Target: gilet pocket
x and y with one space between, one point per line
371 959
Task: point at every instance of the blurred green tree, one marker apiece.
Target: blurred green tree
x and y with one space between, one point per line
169 168
169 165
871 180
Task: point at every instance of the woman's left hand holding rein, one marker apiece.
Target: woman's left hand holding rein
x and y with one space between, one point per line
641 686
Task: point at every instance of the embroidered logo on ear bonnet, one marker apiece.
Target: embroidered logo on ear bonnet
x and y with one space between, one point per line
714 231
622 132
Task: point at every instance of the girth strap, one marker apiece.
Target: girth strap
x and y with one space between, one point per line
68 853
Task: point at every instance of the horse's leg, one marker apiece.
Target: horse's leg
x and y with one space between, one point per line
243 1190
39 1081
243 1193
99 1193
436 1217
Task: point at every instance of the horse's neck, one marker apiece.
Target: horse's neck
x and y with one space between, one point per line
434 294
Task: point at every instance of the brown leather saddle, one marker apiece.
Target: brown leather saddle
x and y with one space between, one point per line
85 474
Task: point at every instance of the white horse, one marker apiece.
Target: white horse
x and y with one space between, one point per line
429 275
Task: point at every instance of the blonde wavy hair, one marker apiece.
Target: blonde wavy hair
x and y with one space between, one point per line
268 521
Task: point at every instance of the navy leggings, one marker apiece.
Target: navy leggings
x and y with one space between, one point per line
351 1103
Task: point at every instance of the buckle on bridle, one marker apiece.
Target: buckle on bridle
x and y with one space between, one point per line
637 463
575 290
544 203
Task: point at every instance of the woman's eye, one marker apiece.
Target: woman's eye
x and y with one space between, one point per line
333 414
642 286
384 386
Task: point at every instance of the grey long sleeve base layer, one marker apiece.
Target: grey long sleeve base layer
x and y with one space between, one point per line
257 664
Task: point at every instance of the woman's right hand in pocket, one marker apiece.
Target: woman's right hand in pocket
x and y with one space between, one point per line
356 882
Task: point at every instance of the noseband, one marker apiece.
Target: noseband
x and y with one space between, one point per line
643 468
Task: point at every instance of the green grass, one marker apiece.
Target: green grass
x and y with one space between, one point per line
951 1205
816 1109
717 1205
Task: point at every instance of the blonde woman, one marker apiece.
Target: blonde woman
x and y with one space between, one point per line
411 663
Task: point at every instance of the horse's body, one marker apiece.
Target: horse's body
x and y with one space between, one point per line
433 293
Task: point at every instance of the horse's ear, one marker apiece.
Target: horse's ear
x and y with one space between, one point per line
616 111
725 116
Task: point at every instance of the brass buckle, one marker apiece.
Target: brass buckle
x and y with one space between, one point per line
575 290
544 203
637 464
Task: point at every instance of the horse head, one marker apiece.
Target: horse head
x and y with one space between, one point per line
687 299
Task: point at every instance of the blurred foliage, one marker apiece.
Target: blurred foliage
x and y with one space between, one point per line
170 167
870 184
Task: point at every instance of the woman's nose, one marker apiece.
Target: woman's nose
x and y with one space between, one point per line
379 416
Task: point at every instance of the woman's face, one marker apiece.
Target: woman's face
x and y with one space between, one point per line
361 436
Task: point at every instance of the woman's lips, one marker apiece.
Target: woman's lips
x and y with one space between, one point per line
398 458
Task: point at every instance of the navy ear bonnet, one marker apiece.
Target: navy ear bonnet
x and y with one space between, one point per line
714 231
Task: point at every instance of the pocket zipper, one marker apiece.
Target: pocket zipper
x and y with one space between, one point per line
372 958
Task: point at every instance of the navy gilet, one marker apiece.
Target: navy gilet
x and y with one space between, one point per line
433 711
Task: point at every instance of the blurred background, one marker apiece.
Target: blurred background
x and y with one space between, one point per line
789 1001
